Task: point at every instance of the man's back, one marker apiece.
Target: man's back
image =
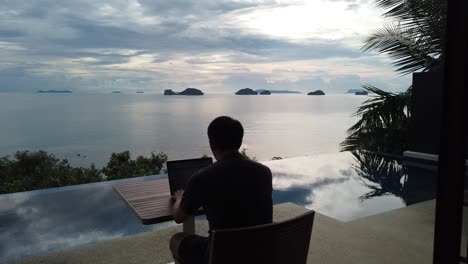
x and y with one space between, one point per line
235 192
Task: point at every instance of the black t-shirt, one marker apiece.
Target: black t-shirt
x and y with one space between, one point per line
234 192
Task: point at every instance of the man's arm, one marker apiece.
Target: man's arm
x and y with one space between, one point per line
188 201
179 214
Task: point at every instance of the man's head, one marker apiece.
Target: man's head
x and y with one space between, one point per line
225 135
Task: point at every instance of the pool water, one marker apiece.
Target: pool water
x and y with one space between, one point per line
344 186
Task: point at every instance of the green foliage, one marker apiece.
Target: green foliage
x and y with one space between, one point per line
121 165
39 170
243 152
416 39
384 123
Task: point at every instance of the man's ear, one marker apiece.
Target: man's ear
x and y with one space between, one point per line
214 150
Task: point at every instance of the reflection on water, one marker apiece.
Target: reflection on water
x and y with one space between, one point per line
384 176
34 223
344 186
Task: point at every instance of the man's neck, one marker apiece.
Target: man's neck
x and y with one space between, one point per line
227 154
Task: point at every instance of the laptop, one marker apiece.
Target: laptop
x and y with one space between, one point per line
180 171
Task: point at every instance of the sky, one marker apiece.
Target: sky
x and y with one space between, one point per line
217 46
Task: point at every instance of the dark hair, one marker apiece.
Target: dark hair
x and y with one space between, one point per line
226 133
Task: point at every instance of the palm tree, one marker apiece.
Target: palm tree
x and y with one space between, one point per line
415 40
383 126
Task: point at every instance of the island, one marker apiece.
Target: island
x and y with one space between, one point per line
318 92
246 91
116 92
279 91
284 92
140 92
354 91
265 92
169 92
361 93
54 91
191 91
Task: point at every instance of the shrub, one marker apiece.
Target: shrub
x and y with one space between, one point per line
121 165
27 171
39 170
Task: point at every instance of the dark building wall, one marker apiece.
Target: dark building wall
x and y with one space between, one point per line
426 112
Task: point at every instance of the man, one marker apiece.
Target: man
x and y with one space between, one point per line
234 192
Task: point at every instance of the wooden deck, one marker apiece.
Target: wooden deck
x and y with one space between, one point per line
150 200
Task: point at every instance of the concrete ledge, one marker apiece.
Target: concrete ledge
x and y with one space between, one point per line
401 236
424 156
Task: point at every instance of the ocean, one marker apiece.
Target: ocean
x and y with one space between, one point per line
87 128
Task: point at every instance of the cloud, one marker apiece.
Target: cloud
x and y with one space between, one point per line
346 82
333 84
92 46
353 6
21 79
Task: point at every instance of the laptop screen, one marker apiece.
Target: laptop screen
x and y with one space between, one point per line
180 171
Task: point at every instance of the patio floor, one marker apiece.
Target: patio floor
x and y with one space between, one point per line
400 236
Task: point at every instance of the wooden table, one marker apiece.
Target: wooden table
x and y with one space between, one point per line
151 202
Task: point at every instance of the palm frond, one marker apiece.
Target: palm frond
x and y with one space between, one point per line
411 9
404 44
384 119
415 43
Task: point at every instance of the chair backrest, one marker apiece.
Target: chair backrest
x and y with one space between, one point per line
282 242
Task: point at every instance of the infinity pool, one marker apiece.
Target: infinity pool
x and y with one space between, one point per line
344 186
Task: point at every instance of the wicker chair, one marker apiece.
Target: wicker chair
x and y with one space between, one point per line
282 242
